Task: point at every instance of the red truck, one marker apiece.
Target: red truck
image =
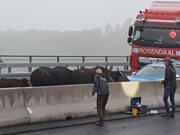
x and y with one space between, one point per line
155 34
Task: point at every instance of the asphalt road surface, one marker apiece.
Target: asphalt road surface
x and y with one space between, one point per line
149 125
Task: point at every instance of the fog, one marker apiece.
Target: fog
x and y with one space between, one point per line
108 41
67 27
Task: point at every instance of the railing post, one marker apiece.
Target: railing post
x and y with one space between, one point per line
127 59
9 69
30 61
106 60
58 59
126 67
83 60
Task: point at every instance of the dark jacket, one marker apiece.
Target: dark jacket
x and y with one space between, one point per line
100 85
170 78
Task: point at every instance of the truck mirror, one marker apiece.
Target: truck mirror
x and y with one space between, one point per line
129 40
130 31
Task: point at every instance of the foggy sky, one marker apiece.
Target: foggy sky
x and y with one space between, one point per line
66 14
25 25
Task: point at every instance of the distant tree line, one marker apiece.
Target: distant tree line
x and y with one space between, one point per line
108 41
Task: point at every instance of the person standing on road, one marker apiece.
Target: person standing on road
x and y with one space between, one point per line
102 89
169 88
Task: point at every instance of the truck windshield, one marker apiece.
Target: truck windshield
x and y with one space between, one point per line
157 37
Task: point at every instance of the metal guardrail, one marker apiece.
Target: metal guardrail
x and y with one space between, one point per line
26 75
58 59
20 65
15 75
12 61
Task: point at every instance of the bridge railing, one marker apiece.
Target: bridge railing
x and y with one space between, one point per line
10 62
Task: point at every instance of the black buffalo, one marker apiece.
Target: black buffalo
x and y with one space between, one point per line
45 76
6 83
63 75
120 76
86 75
83 76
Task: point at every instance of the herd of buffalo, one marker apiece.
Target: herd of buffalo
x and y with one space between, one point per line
45 76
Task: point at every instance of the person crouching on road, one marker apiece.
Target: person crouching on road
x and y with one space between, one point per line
102 89
169 88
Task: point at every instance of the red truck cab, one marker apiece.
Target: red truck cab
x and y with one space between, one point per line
155 34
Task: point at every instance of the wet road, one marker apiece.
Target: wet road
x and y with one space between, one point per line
150 125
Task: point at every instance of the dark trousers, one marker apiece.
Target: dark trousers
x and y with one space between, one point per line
169 93
101 105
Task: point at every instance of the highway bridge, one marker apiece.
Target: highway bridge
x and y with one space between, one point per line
70 109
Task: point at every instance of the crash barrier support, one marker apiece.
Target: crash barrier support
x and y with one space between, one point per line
37 104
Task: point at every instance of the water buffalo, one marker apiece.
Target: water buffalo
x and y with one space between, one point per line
63 75
120 76
115 76
5 83
45 76
85 75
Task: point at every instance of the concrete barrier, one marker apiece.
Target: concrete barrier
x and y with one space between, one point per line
12 108
121 94
59 102
37 104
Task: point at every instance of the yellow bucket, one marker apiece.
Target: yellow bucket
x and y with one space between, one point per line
134 111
